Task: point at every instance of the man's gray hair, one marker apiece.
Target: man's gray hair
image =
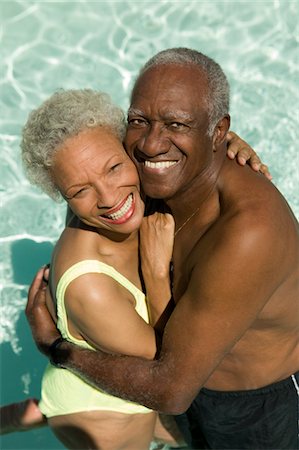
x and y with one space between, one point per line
218 96
65 114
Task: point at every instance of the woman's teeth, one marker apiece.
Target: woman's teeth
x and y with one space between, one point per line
122 211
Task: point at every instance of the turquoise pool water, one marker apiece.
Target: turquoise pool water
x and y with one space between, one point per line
47 45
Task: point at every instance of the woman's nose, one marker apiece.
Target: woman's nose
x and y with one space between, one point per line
106 196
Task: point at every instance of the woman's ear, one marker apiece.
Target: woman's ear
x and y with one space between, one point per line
220 131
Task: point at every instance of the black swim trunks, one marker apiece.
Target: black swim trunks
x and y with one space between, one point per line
265 418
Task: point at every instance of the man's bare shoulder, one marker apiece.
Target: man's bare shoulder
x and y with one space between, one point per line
252 202
254 224
244 272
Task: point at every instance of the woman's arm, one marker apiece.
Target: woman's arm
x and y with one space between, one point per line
102 312
156 246
239 149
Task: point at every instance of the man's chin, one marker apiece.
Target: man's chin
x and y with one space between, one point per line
158 192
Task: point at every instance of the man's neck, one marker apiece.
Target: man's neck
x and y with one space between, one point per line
200 198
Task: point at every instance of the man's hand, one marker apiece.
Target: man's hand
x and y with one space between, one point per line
42 326
237 148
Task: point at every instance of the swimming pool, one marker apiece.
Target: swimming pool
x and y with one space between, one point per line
47 45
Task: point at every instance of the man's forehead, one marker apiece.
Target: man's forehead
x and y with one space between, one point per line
172 84
171 71
168 113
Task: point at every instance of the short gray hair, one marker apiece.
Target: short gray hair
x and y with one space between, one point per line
218 96
65 114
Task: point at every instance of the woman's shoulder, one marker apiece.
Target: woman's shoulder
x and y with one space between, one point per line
74 245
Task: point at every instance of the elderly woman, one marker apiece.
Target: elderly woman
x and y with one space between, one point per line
72 149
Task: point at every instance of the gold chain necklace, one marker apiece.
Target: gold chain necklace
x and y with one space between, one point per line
186 221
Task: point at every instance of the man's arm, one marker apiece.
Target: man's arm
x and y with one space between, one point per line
42 325
213 314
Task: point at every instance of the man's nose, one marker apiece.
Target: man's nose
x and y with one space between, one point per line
154 141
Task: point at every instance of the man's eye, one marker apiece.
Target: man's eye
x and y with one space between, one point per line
136 122
177 125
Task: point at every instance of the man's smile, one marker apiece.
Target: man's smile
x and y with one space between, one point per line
159 164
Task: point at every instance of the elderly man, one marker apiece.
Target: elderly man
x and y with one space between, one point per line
230 349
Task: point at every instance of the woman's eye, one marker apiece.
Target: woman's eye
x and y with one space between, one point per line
115 167
78 193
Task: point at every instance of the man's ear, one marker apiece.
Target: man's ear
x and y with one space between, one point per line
220 131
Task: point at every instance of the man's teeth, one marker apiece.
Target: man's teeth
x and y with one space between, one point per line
159 165
122 211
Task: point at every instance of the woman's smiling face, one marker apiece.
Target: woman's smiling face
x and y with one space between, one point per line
99 181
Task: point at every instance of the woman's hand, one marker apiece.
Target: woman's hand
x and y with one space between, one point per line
156 246
237 148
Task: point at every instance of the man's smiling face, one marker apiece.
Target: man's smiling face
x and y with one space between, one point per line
167 128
